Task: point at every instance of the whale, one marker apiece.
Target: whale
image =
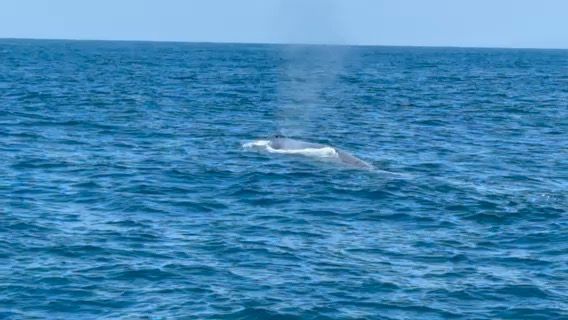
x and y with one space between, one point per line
283 145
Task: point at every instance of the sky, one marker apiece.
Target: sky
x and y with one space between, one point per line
465 23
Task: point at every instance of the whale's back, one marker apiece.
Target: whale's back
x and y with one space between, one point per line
293 144
352 160
281 145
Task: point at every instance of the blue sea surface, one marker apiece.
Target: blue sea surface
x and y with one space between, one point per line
125 190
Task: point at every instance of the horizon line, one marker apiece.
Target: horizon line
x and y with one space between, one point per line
286 43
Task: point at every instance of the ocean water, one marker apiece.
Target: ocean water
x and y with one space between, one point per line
125 190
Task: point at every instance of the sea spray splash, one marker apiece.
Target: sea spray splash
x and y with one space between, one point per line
308 71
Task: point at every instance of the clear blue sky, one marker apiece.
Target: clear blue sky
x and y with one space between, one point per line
484 23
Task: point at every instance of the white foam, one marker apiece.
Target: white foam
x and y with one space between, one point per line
257 144
324 152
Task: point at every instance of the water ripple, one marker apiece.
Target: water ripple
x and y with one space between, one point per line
125 193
